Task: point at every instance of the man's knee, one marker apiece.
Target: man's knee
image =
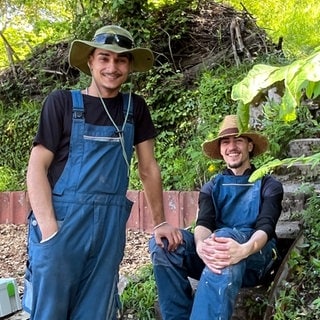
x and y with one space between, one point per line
162 256
159 255
232 233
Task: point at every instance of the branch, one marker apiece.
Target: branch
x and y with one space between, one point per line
169 46
8 46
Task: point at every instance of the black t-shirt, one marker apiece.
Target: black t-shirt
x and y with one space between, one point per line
56 122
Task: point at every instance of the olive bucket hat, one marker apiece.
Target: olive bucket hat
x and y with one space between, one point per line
229 128
112 38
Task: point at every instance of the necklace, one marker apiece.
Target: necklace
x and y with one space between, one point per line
107 111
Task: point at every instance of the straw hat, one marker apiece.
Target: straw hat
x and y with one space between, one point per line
228 128
112 38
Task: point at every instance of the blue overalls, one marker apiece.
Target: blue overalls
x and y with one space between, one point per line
237 206
74 275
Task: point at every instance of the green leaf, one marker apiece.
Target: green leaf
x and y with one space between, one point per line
259 77
265 169
288 107
310 70
316 90
243 114
309 86
315 262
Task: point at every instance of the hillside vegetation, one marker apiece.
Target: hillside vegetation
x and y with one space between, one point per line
200 51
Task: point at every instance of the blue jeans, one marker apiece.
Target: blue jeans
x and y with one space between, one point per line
216 293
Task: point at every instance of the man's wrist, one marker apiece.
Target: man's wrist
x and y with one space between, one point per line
159 225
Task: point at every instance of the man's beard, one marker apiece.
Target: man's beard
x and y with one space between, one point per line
235 165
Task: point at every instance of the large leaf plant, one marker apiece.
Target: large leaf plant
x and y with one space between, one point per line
298 79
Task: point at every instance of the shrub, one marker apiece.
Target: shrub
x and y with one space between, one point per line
8 179
17 126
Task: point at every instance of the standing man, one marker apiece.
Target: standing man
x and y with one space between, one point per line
77 180
234 241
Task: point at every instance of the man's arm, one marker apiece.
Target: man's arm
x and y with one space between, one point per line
39 190
271 206
150 176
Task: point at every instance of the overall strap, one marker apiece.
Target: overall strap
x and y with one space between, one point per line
77 104
76 142
128 114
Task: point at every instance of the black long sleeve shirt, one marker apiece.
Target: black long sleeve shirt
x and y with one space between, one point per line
270 207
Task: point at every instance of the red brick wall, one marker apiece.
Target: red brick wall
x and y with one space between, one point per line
14 207
180 209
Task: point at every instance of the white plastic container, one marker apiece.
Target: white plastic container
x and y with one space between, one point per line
9 296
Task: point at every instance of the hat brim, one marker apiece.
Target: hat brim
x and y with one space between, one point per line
211 148
80 50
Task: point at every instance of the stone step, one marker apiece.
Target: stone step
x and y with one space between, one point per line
306 147
298 172
286 229
294 201
295 198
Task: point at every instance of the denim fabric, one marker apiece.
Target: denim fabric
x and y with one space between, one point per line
236 201
215 295
171 270
74 275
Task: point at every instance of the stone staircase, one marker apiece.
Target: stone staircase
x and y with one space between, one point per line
298 180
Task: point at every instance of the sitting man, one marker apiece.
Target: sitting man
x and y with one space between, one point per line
234 240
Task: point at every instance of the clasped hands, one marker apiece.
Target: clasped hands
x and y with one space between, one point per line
219 252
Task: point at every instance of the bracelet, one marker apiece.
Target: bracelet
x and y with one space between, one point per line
160 225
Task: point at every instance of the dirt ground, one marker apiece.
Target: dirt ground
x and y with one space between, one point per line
13 255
